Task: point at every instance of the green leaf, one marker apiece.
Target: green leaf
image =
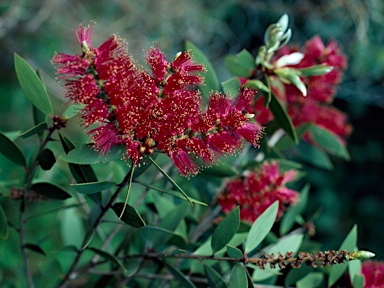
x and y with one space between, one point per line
85 154
295 275
50 190
312 280
130 216
234 252
294 211
171 180
72 110
211 82
11 150
282 118
329 141
108 257
226 229
286 141
314 156
315 70
168 191
231 86
261 227
349 244
354 269
32 86
358 281
34 130
214 278
238 277
240 64
4 231
88 238
220 170
38 117
35 248
179 276
92 187
46 159
144 167
257 85
173 218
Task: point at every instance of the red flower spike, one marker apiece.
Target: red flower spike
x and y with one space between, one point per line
145 110
255 192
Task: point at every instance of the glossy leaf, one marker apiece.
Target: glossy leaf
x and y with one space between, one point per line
92 187
179 276
211 82
234 252
315 70
32 86
329 141
226 229
261 227
349 244
231 86
88 238
214 278
158 236
257 85
314 156
168 191
85 154
108 257
294 211
240 64
312 280
4 231
282 118
39 128
50 190
130 216
46 159
238 277
11 150
35 248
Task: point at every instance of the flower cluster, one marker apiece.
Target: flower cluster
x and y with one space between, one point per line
256 191
316 107
153 109
373 272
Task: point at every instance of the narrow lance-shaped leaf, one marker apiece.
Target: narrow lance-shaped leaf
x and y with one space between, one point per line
211 82
282 118
238 277
34 248
179 276
130 215
32 86
46 159
261 227
313 155
226 229
11 150
50 190
214 278
349 244
34 130
88 238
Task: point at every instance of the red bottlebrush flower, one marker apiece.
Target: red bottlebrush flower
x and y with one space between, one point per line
255 192
147 110
373 272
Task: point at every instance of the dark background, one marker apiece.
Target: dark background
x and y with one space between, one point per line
351 193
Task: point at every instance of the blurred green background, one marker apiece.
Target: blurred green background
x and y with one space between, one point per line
351 193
